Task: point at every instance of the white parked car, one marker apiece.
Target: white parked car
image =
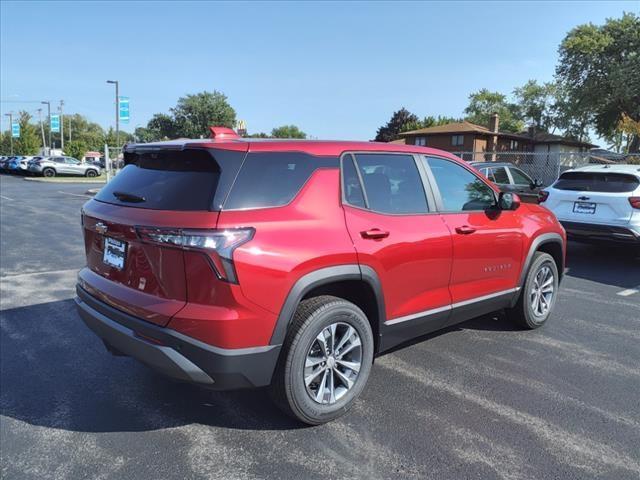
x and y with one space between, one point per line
597 202
52 166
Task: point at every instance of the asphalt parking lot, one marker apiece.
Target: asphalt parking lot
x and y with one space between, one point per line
480 400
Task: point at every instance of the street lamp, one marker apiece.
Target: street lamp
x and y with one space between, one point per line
115 82
48 104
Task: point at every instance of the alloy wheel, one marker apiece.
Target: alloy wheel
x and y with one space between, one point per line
542 291
333 362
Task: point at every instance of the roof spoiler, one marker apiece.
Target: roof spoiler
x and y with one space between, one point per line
223 133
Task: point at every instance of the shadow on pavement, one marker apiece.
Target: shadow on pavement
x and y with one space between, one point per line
55 373
609 264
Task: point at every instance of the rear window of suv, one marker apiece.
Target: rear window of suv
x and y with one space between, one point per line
597 182
273 179
186 180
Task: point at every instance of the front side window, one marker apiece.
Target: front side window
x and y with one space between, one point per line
460 190
392 183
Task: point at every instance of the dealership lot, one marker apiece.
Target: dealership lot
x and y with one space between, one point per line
480 400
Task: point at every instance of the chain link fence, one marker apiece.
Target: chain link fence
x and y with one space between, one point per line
113 161
543 166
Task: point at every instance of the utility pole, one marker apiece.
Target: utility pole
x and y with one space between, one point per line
44 144
48 104
10 115
115 82
61 126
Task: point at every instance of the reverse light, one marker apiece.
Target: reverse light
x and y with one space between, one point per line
217 244
635 202
542 196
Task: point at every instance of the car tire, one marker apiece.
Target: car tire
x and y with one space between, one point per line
91 173
538 295
334 387
48 172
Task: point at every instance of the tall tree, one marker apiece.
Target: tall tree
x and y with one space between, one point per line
76 149
536 103
288 131
483 103
29 142
400 121
599 73
194 114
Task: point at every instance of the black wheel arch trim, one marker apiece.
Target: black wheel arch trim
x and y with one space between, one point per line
324 276
537 242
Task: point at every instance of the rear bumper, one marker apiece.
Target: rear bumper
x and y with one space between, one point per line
594 232
174 354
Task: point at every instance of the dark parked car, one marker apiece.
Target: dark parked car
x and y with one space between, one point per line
510 179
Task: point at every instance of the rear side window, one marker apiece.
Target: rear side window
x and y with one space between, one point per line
351 186
597 182
499 175
273 179
187 180
392 183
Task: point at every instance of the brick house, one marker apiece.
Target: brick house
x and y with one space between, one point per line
469 137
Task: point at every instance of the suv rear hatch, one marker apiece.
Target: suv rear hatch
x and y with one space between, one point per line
133 261
593 197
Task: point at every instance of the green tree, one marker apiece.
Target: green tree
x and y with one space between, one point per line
536 103
76 149
29 142
194 114
429 121
288 131
5 143
401 120
483 103
112 139
599 73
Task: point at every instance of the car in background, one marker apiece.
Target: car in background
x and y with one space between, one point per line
13 166
597 202
4 161
59 165
510 178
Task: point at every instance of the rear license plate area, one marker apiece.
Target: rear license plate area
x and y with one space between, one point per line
584 207
115 253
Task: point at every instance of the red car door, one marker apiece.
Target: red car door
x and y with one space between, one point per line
396 233
487 242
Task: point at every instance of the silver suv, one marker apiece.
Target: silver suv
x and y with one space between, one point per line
52 166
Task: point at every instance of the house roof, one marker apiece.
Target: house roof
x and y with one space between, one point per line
450 128
468 127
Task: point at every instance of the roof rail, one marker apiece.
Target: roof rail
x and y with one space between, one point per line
222 133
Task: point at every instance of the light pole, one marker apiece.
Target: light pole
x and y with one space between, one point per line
61 126
48 104
115 82
10 115
44 144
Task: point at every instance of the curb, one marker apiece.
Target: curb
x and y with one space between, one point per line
92 191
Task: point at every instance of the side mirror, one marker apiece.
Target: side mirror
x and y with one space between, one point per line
536 184
508 201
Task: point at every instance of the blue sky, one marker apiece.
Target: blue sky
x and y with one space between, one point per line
336 70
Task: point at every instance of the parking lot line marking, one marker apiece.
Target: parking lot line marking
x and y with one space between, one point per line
6 198
75 194
629 291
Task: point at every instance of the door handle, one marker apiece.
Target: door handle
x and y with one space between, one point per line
374 233
465 230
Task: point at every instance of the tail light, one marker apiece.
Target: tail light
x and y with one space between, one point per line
218 245
635 202
542 196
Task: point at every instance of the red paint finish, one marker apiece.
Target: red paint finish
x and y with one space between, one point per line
423 261
413 261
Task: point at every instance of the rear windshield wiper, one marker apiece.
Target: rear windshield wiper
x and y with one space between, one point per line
129 197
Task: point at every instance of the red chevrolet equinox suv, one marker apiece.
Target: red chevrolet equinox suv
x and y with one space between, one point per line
232 263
